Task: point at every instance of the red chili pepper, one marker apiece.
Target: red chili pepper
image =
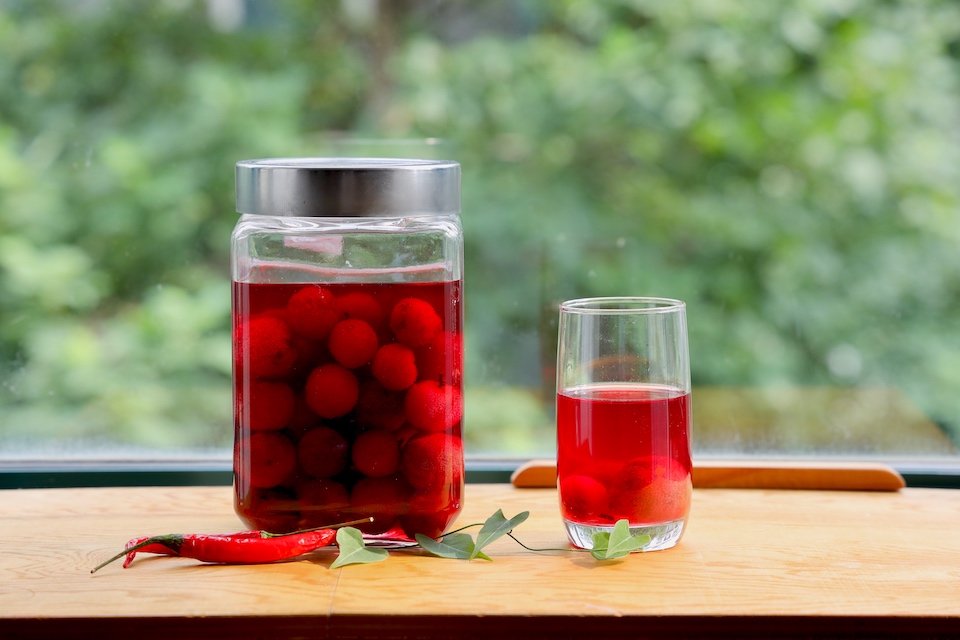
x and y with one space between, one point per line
245 547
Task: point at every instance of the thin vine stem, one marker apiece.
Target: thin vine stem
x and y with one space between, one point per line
469 526
517 540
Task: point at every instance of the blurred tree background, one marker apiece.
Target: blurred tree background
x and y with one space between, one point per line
790 169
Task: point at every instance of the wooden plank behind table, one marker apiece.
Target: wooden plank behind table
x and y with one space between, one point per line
749 558
753 474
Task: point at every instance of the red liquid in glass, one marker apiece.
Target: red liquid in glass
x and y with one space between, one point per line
623 451
347 404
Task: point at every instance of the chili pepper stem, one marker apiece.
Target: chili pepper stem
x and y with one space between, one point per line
172 541
339 525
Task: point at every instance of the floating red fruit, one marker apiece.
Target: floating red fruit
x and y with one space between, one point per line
322 452
433 509
270 347
584 497
432 461
272 459
376 453
441 359
312 311
394 366
430 406
352 343
414 322
652 489
362 306
331 391
269 405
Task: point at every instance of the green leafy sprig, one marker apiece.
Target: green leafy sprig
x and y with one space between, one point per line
617 543
354 551
462 546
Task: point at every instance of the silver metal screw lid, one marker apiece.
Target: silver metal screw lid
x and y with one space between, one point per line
347 187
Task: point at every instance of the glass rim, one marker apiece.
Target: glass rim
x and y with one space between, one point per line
622 305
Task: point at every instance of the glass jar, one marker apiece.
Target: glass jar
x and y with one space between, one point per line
347 342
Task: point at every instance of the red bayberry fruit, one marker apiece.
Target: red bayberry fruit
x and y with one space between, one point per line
651 489
441 359
376 453
414 322
352 343
379 408
394 366
322 502
432 461
430 406
432 510
443 497
312 311
362 306
272 459
322 452
406 433
584 497
270 347
383 499
269 405
331 391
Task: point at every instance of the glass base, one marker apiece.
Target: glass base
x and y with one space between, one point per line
662 536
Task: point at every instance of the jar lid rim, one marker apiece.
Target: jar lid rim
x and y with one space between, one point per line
348 187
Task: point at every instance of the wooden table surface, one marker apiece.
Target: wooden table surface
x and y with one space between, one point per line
753 563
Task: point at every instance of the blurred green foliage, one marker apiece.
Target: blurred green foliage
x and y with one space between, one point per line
791 170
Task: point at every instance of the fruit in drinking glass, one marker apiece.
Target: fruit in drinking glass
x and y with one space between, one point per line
312 311
269 346
584 497
394 366
331 391
270 405
375 453
352 343
430 406
272 459
414 322
322 452
651 489
432 461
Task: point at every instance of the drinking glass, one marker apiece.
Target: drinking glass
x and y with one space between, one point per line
623 418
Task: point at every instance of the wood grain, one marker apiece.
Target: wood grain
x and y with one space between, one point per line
752 563
717 474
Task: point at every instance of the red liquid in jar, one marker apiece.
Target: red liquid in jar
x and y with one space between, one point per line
623 451
348 403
